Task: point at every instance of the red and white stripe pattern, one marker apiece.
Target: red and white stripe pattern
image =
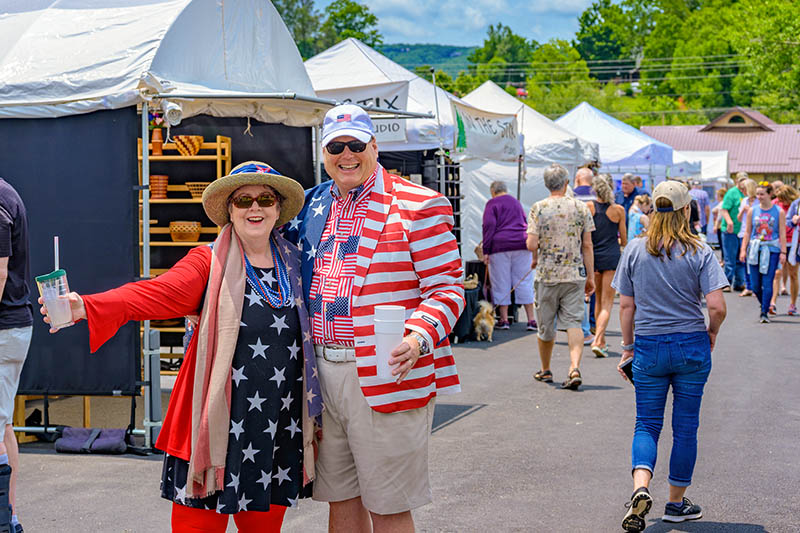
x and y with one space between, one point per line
335 267
408 256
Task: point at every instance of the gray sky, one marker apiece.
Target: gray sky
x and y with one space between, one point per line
464 23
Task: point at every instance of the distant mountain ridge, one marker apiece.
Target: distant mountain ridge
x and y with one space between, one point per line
451 59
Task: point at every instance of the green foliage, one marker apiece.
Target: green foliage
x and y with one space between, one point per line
443 79
345 19
451 59
502 54
597 39
303 22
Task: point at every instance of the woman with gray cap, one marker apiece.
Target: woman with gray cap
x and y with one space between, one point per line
662 279
241 420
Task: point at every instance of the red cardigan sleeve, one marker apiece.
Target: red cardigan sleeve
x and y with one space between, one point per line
176 293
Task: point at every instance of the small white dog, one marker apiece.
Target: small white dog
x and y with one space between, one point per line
484 321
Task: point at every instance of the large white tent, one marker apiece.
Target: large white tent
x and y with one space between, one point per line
544 143
353 64
624 148
67 57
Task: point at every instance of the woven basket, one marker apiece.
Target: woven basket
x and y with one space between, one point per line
188 144
184 231
158 186
196 188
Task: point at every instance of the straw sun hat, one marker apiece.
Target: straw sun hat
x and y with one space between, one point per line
215 196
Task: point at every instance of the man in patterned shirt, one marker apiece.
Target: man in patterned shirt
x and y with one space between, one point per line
560 237
370 238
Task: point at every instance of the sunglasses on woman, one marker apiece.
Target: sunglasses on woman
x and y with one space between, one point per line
337 147
265 199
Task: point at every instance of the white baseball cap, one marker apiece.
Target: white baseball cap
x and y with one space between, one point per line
347 120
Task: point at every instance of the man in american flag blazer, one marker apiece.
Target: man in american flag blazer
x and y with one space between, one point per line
371 238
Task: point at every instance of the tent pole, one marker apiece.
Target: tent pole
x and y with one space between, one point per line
318 155
148 377
521 162
440 153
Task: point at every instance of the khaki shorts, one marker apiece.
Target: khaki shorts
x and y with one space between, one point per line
562 301
14 345
381 457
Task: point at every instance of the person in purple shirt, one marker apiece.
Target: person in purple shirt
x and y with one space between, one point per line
504 251
703 204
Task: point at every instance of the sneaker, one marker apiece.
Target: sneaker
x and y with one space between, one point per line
502 324
674 512
600 351
588 339
764 318
773 310
532 325
792 310
638 507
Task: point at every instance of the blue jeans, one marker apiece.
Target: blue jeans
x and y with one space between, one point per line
682 360
762 283
734 269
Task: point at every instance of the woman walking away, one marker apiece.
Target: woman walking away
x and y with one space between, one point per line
608 236
744 210
661 278
764 246
784 197
793 257
715 212
637 216
238 434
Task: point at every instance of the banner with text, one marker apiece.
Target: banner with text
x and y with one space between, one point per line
392 96
483 134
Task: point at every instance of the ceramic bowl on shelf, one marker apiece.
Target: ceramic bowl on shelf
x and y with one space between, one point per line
188 144
184 231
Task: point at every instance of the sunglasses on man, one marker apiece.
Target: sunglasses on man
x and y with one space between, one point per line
265 199
337 147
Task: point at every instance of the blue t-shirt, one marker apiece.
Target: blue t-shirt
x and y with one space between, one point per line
766 226
668 293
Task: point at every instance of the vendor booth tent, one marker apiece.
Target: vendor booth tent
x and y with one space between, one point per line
352 64
71 76
623 148
544 143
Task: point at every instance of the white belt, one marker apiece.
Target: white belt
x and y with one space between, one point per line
335 354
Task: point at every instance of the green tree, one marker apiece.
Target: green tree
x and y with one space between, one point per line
347 18
303 22
443 79
597 39
503 55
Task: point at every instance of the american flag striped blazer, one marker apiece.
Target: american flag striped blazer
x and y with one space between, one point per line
407 256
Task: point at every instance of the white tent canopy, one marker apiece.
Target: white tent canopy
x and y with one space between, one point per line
353 64
545 141
715 165
67 57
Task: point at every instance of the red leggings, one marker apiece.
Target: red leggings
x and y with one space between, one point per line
189 520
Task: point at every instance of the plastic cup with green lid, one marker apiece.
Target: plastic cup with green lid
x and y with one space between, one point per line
53 288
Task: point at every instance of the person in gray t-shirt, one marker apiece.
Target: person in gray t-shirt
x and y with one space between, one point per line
662 278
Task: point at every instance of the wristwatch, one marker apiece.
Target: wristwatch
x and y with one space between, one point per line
423 344
626 347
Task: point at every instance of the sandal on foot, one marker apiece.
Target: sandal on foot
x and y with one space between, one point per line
746 292
573 381
600 351
544 375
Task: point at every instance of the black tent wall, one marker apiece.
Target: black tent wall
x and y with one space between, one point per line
75 175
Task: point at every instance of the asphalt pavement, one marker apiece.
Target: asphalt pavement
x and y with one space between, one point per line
512 454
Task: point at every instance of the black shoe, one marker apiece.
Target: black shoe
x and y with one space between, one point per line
638 507
681 513
5 510
764 318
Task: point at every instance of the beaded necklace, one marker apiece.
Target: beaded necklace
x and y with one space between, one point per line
275 298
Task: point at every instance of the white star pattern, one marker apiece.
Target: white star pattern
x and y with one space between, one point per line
268 278
294 223
287 402
275 449
272 428
259 349
293 350
318 210
264 479
253 298
306 335
282 475
237 429
315 199
234 482
249 453
180 494
220 505
243 501
312 253
238 375
292 427
278 377
292 503
310 395
242 324
255 402
279 324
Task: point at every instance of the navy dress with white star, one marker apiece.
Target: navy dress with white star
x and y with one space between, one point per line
264 463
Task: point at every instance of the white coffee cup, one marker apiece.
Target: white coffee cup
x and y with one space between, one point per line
389 328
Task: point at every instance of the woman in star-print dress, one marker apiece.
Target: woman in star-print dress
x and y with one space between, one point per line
246 405
263 465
